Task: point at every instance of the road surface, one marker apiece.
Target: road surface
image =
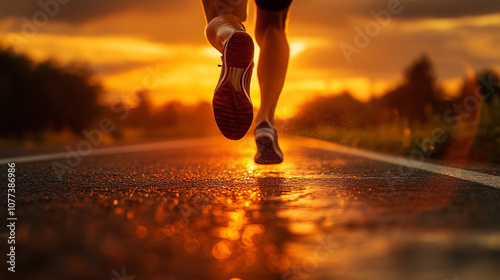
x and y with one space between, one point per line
201 209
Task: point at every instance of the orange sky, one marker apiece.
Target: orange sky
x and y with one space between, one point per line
160 44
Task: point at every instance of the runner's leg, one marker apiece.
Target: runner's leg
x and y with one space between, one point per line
273 61
232 105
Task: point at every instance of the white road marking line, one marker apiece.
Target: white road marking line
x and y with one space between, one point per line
473 176
164 145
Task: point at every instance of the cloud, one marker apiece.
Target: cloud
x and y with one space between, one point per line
170 21
449 8
78 12
160 21
453 49
343 14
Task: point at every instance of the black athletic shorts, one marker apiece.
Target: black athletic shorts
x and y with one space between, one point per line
273 5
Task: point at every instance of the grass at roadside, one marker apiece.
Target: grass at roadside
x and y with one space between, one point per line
475 138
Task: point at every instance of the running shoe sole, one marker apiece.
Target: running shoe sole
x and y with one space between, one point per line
232 105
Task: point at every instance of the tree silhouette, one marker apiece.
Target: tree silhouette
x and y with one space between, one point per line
17 95
38 96
417 93
140 115
488 81
71 93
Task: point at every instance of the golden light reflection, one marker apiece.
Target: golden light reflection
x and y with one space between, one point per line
249 232
141 232
276 261
221 250
168 230
237 219
302 227
230 233
130 215
191 245
118 210
233 226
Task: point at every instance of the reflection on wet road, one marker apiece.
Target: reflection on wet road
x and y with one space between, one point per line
211 213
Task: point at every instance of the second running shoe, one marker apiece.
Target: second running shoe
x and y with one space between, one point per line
268 150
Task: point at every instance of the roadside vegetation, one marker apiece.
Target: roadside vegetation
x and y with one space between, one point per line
416 116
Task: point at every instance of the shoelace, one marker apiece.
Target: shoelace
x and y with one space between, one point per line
222 58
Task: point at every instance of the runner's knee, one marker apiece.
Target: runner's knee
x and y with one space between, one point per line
266 21
216 8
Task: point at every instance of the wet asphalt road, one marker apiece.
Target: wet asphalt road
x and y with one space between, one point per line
208 212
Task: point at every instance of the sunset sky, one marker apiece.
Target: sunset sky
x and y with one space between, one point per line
159 44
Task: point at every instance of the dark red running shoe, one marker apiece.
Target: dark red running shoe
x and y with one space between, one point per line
232 105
